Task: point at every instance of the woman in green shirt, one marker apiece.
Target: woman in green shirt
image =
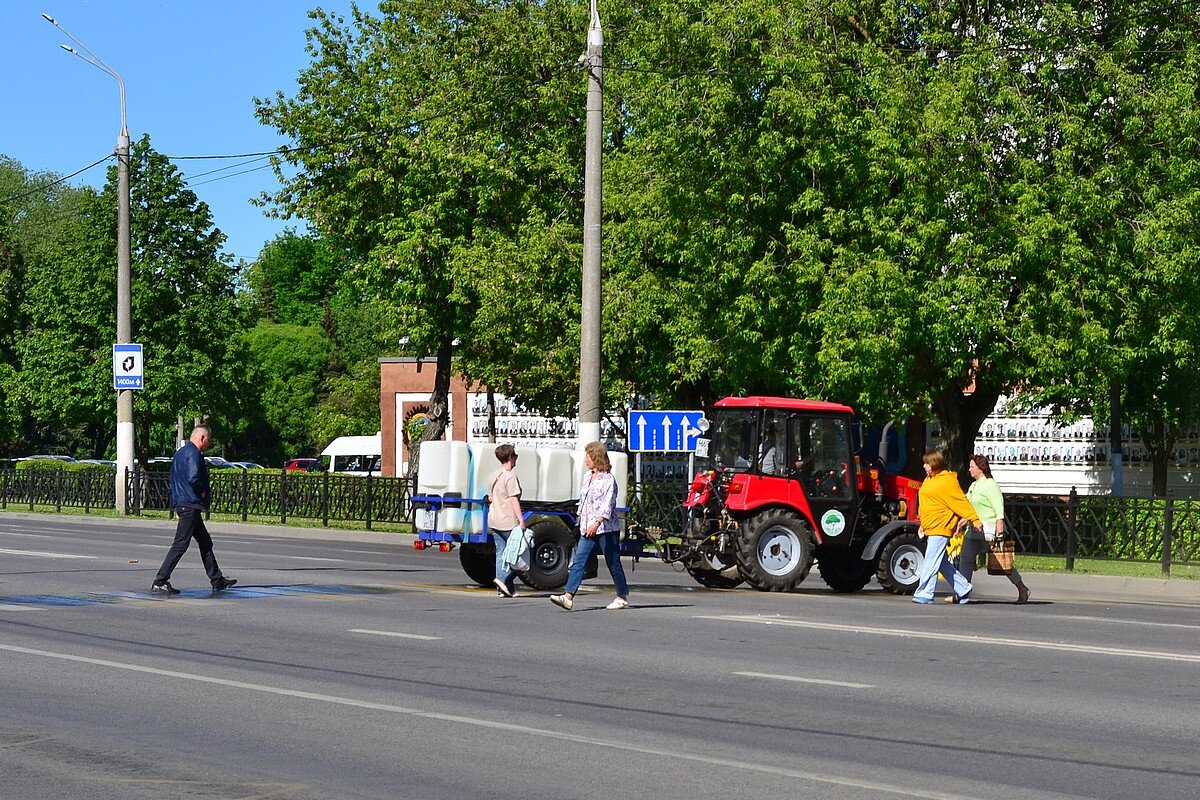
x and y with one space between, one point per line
988 501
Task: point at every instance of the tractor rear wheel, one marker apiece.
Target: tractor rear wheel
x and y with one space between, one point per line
900 563
775 551
550 556
479 562
845 572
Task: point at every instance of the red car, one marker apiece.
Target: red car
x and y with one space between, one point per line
303 465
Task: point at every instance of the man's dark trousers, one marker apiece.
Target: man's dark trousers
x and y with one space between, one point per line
191 526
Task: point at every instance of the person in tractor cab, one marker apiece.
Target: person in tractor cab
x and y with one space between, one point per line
941 504
770 457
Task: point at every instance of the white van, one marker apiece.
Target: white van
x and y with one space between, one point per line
353 455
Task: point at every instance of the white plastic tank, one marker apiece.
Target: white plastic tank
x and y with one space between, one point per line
558 480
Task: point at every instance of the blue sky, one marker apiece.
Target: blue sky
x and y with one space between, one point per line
191 71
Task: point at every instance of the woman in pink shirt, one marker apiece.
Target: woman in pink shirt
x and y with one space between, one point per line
598 527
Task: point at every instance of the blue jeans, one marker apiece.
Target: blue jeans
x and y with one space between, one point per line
500 538
936 561
610 545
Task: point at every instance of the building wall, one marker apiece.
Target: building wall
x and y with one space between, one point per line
404 388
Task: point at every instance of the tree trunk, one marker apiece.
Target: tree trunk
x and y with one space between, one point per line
1160 442
961 416
439 406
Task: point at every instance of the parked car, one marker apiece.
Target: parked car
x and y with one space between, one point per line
105 461
47 457
216 462
159 464
303 465
247 465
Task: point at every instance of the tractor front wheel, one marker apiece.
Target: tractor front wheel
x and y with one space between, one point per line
775 551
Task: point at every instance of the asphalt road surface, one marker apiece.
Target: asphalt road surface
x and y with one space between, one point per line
358 670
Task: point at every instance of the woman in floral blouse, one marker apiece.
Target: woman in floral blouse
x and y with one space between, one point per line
598 527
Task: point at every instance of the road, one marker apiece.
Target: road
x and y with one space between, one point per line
368 670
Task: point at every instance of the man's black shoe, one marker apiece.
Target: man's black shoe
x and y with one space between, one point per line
223 583
163 588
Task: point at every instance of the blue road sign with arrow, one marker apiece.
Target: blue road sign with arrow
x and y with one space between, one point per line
664 431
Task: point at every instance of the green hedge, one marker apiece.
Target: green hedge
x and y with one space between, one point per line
54 465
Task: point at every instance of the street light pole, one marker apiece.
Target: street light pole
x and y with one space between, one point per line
589 326
124 259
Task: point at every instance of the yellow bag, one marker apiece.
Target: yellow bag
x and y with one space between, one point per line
955 545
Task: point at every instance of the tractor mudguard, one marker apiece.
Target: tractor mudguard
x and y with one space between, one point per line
880 537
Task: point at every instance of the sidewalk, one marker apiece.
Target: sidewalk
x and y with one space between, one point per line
1056 586
1043 586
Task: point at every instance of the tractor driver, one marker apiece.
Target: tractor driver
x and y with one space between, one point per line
770 458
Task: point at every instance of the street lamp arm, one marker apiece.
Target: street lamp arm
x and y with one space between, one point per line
96 61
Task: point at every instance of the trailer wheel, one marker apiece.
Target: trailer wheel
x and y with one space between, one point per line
775 551
900 563
479 562
550 557
845 572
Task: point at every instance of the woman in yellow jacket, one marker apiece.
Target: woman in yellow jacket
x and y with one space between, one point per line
941 506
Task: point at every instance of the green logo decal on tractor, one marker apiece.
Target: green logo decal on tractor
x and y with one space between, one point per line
833 522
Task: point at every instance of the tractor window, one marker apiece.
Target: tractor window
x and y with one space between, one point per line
735 440
819 445
771 460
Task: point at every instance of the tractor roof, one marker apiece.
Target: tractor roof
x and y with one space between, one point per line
789 403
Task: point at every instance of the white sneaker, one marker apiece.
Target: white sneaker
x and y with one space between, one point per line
618 604
502 587
562 601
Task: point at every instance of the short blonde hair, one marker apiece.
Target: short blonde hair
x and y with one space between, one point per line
599 456
935 460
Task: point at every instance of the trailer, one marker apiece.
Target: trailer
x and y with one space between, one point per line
450 507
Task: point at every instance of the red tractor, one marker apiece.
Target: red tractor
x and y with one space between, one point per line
787 487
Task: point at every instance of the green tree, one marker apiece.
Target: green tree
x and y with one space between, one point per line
286 364
62 321
1126 175
423 135
294 279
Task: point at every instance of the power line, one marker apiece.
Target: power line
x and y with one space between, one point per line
52 184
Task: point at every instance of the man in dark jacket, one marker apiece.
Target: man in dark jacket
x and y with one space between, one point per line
189 499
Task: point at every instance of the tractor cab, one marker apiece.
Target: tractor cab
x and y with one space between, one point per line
782 452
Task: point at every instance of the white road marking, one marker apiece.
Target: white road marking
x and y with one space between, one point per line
314 558
30 535
708 760
1135 622
19 607
798 679
41 554
969 639
395 633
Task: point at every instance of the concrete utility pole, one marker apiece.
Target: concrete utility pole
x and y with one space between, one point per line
124 258
589 327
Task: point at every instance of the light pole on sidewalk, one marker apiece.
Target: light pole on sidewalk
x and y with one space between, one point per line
124 257
589 324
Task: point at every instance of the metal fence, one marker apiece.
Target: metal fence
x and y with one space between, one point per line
287 495
1157 530
1165 530
58 488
